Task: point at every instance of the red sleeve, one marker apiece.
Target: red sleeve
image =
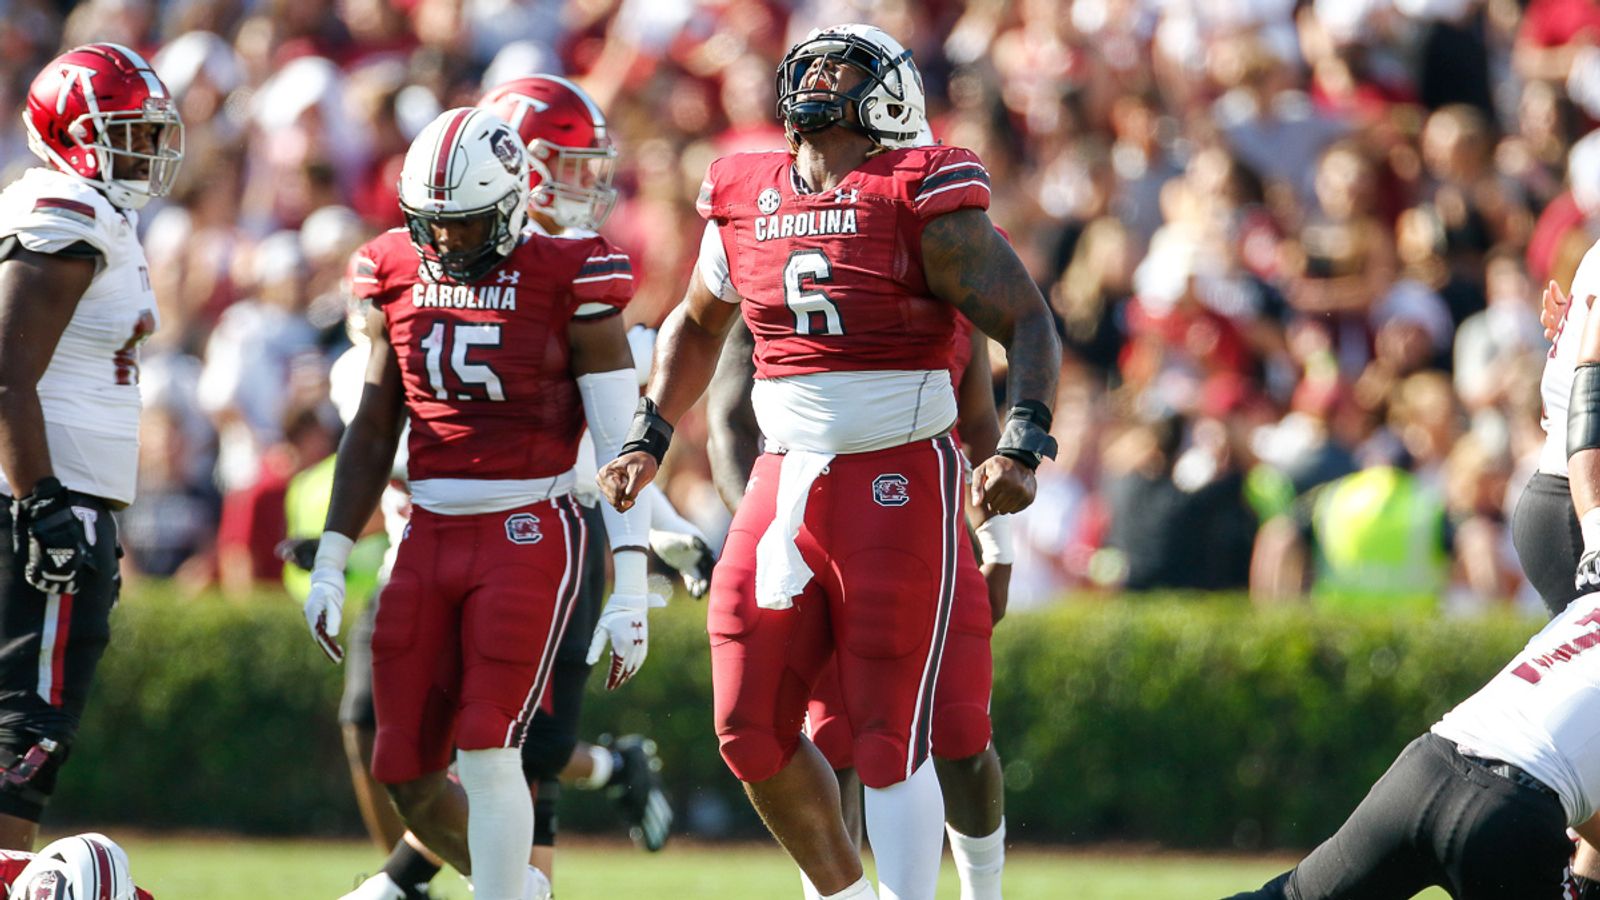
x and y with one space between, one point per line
955 179
604 283
362 273
706 203
140 893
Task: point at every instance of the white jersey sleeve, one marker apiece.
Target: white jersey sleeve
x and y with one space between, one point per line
47 212
1555 385
1542 712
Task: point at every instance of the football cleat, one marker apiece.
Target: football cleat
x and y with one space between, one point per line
537 886
381 887
636 789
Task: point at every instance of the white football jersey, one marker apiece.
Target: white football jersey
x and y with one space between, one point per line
1555 386
90 391
1542 712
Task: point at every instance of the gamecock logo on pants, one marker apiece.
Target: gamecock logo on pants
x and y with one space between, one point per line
891 490
523 528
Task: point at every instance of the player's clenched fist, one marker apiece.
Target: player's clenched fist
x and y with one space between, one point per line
1001 485
623 478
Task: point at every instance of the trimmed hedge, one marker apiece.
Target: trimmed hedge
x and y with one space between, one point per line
1192 723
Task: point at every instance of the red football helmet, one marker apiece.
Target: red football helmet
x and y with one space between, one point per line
82 112
573 158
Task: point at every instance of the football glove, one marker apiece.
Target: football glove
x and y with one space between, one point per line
48 539
300 551
1588 577
625 625
324 609
689 554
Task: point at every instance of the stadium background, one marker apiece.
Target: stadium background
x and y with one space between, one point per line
1288 243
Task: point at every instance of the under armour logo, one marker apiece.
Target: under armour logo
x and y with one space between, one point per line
845 195
508 276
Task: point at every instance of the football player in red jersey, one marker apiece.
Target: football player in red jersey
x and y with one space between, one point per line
75 304
964 756
571 159
497 346
849 257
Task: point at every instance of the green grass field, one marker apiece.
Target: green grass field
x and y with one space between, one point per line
218 868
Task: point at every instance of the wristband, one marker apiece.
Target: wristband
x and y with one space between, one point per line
1583 409
333 552
649 431
1589 524
632 571
1026 435
45 488
995 546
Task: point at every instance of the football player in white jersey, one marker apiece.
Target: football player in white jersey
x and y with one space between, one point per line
75 303
1481 804
1545 527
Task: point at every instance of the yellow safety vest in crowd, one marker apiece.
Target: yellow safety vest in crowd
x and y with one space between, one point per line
1379 543
306 507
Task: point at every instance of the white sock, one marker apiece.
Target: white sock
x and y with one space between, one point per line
499 821
809 890
905 825
861 890
603 764
979 862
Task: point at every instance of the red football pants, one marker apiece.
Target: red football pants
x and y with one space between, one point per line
961 726
883 533
467 630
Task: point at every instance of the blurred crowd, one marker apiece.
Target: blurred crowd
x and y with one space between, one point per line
1295 249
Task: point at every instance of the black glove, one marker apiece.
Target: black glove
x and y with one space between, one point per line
48 539
300 551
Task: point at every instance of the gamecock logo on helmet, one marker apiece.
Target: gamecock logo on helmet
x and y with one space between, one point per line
506 150
891 490
523 528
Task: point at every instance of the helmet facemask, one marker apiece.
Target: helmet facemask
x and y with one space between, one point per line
574 183
810 99
464 266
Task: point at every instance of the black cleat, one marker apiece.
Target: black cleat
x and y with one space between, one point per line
635 787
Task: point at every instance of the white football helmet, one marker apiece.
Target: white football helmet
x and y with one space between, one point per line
890 103
465 164
82 867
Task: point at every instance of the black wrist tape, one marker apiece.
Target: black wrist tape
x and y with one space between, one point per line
649 431
1026 434
1583 409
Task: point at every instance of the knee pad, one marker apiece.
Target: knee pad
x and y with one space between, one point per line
881 759
482 726
960 731
28 778
754 755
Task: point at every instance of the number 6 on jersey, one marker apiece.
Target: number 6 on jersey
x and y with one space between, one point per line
808 303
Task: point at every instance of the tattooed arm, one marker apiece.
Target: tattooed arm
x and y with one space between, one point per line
733 440
969 265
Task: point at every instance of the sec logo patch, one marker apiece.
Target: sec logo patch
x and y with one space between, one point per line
891 490
523 528
768 201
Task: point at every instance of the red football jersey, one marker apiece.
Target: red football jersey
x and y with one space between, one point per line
486 365
833 281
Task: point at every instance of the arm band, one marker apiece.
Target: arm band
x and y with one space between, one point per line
1026 435
1583 409
333 552
995 545
649 432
